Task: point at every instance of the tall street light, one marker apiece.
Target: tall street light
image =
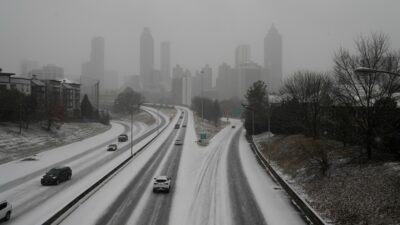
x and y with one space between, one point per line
366 70
131 130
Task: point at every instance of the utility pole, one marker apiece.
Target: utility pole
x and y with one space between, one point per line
131 130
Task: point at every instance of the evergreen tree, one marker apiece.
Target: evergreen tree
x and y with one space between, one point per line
256 108
86 108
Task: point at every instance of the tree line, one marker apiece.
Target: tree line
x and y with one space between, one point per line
345 105
207 108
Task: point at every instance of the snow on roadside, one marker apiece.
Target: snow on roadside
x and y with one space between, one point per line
272 200
35 139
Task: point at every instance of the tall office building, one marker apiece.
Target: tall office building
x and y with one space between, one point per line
248 74
227 84
165 66
92 78
207 78
165 61
27 66
273 59
242 55
147 59
97 59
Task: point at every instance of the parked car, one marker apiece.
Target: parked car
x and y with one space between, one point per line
162 184
5 210
112 147
122 138
177 126
56 176
178 142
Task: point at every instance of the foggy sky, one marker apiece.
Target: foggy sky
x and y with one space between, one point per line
200 31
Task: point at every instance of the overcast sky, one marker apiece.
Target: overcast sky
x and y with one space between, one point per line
200 31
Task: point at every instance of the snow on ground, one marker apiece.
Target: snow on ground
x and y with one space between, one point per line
51 205
339 196
46 158
208 126
91 210
35 139
273 201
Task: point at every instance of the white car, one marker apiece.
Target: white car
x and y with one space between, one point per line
178 142
5 210
162 184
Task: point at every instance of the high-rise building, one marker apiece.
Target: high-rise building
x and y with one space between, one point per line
165 61
27 66
227 84
147 59
97 59
181 92
248 74
92 78
52 72
273 59
242 55
207 78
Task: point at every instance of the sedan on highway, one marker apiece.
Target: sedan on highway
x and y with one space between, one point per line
162 184
112 147
178 142
56 176
5 210
122 138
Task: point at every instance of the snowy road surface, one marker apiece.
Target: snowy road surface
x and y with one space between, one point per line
218 184
89 160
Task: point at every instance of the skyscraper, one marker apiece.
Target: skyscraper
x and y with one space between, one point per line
165 60
97 59
92 78
273 58
242 55
147 59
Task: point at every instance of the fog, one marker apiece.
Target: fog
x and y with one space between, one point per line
200 31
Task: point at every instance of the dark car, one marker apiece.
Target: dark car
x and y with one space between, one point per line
176 126
122 138
5 210
112 147
184 125
56 176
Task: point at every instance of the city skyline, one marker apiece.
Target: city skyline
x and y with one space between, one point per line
200 35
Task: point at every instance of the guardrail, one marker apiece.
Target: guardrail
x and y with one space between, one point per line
300 203
59 215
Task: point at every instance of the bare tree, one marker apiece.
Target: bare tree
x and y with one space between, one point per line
359 92
312 91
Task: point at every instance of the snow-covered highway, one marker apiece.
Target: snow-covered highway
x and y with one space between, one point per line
89 160
218 184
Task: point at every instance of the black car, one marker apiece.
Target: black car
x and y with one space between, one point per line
56 176
122 137
176 126
112 147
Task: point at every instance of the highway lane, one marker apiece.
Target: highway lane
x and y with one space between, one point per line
244 207
120 211
28 194
158 206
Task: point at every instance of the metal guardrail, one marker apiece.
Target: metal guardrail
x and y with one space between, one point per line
310 214
58 216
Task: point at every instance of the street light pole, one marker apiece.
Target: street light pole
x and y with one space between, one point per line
131 130
253 119
366 70
202 106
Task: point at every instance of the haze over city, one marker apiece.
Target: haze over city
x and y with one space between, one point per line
200 32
